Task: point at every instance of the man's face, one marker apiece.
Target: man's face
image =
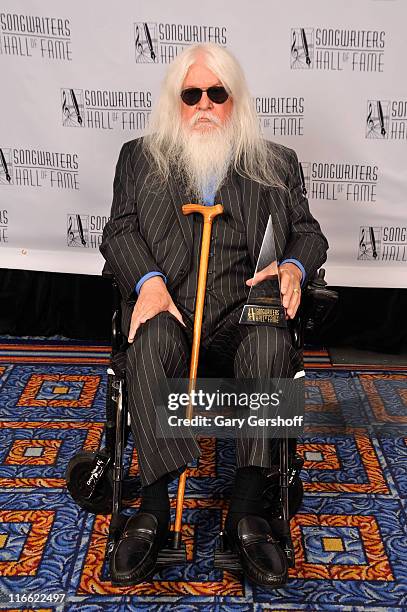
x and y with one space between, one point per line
199 75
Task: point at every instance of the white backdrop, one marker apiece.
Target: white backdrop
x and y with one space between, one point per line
80 78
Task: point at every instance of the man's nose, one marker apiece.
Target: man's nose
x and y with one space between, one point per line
204 103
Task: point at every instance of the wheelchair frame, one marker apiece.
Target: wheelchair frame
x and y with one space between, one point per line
96 480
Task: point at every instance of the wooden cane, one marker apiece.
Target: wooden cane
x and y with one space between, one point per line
208 213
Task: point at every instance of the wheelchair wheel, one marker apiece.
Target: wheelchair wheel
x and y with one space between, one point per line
77 473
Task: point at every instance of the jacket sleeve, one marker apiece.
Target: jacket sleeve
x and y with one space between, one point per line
123 247
306 243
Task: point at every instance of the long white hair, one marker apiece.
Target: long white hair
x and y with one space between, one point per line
251 155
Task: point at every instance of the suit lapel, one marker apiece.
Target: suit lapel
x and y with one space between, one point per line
179 197
255 215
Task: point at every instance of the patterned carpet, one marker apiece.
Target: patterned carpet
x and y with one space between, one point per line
350 533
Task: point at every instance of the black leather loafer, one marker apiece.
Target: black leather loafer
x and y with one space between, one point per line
261 556
134 555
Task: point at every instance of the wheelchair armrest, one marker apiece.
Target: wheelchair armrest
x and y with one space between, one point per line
106 272
117 336
316 305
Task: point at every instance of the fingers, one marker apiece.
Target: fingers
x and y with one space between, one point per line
293 304
287 284
140 317
255 280
153 299
174 310
134 325
262 275
137 319
147 314
258 277
291 293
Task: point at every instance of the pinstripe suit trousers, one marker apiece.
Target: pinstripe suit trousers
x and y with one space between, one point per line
162 348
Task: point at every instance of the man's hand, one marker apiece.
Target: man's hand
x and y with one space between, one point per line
262 275
290 287
290 284
153 298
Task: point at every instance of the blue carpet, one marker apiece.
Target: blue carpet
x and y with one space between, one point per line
350 533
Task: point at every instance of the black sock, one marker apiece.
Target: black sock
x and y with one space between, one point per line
246 497
155 500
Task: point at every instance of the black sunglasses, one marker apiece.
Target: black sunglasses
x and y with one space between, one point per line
192 95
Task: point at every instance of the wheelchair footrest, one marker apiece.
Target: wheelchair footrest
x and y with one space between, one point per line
170 555
225 557
288 549
115 530
281 529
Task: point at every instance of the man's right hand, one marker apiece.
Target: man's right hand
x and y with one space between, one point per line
153 298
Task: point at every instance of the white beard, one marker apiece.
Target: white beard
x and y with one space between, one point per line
205 158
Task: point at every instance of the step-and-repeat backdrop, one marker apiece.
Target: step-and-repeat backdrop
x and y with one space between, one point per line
80 78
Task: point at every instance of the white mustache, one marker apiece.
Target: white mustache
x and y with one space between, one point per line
202 115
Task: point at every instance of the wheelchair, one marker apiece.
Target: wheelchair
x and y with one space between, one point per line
96 480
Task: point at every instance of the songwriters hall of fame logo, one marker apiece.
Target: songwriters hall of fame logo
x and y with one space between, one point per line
385 243
105 109
339 180
302 48
386 119
145 35
369 243
77 230
6 167
85 231
337 49
159 42
72 108
377 119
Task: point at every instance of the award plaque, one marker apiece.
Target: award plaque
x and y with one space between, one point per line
264 306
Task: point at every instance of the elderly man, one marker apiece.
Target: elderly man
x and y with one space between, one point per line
204 145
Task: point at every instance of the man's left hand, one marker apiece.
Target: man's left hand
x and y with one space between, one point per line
290 287
290 284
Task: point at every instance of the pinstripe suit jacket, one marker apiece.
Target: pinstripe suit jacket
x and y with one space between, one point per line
148 231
